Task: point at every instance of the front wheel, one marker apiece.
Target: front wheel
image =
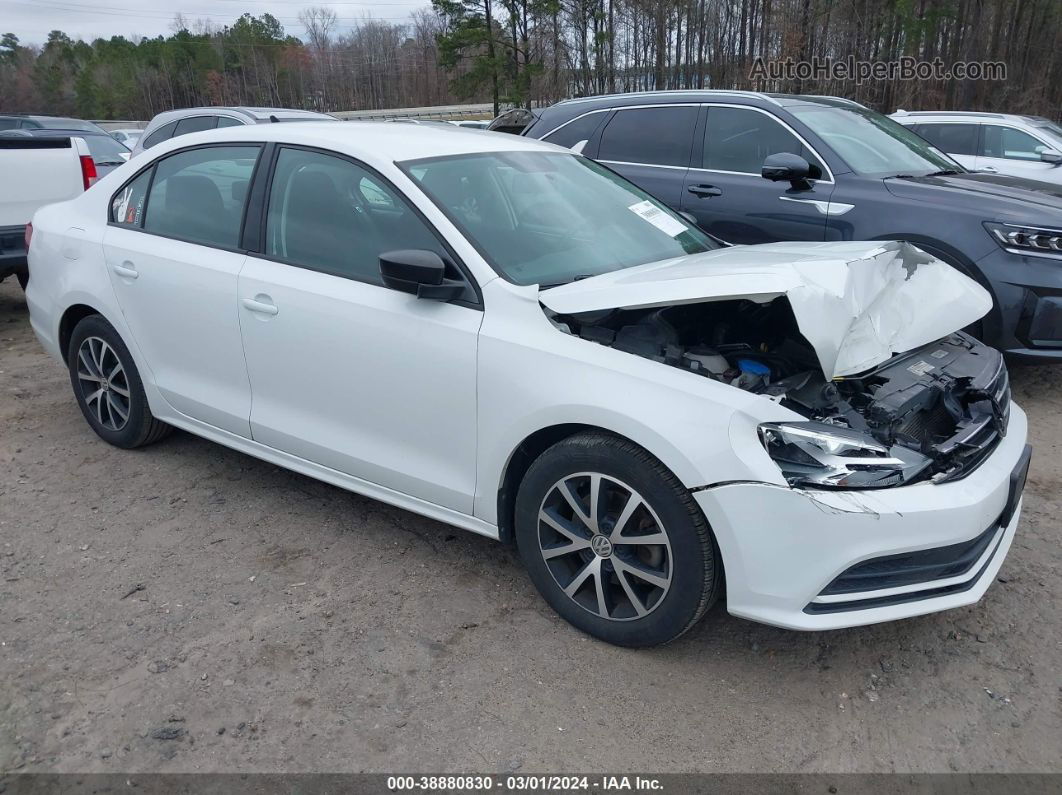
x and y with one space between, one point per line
108 387
614 543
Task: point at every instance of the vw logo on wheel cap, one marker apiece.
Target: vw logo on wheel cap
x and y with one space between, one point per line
601 546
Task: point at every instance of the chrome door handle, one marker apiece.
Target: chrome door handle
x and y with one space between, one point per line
991 169
126 270
261 307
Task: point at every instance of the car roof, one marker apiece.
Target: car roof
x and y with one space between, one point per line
968 114
257 114
369 141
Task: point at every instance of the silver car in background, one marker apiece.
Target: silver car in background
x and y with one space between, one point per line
1018 146
173 123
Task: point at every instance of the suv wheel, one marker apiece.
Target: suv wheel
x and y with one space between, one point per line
614 543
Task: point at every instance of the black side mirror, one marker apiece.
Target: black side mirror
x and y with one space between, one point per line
786 167
419 272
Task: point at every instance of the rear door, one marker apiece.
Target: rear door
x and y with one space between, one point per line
650 146
724 190
173 253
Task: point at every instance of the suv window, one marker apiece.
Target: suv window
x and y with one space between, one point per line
656 136
1010 143
8 124
199 195
329 214
581 129
163 133
955 139
127 205
739 139
195 124
228 121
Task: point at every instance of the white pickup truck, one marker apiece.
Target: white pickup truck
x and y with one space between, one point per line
36 172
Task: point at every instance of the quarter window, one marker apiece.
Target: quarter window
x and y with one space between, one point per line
578 131
659 136
163 133
738 139
228 121
127 205
329 214
199 195
1011 144
954 139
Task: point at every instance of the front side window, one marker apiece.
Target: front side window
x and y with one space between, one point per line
659 136
329 214
127 205
578 131
1011 144
955 139
549 218
739 139
199 195
163 133
872 144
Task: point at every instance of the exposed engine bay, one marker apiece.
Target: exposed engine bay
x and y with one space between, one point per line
947 401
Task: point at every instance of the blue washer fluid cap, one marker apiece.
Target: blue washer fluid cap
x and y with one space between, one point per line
752 367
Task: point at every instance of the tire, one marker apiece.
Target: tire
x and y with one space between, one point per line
674 582
97 356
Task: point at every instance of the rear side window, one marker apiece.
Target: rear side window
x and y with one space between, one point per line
127 205
228 121
163 133
655 136
8 124
953 139
195 124
580 130
739 140
199 195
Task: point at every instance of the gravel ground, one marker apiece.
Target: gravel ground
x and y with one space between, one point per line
187 608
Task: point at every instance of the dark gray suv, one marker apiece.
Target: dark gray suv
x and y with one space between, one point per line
755 168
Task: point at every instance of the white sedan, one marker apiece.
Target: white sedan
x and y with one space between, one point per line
510 338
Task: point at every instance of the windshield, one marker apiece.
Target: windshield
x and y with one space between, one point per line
550 218
1053 131
872 144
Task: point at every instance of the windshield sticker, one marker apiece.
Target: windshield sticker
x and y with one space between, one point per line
658 218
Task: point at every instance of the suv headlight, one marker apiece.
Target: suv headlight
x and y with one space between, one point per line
1040 240
819 455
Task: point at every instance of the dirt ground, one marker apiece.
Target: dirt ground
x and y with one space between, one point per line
187 608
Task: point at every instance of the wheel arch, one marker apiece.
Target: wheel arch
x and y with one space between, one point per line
529 449
73 315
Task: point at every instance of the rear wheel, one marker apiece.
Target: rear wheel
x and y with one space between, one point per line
23 279
108 387
614 543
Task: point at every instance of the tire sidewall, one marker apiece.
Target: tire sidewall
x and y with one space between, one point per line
693 560
130 435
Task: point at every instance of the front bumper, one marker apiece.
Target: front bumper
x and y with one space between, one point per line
782 547
1026 321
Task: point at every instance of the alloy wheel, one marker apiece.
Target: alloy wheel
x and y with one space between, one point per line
605 546
103 383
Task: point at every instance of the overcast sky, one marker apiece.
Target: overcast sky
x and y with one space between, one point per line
31 20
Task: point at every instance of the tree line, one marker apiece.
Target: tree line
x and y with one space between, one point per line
532 52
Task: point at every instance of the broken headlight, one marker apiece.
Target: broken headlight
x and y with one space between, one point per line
1018 238
819 455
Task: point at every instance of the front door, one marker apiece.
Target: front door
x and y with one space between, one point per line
1006 150
172 252
726 194
344 372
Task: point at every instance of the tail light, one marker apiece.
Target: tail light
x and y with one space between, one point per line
88 171
28 235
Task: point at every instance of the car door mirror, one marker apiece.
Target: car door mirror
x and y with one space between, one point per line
419 272
1051 156
786 167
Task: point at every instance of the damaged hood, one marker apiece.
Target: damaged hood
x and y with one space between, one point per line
857 303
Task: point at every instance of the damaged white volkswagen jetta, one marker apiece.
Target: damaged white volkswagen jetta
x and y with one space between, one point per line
510 338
